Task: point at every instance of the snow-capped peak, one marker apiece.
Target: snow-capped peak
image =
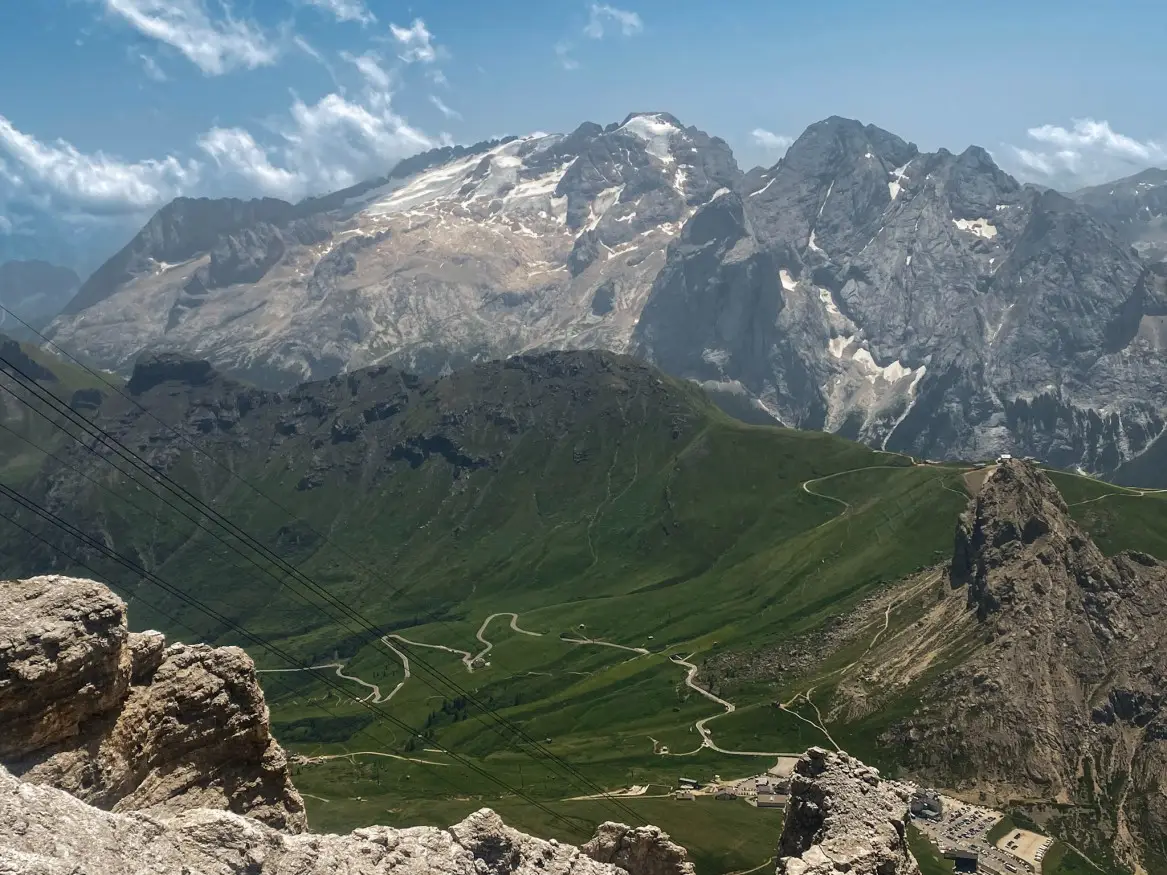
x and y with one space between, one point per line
656 131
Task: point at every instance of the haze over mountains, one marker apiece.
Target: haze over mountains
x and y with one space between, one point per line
920 302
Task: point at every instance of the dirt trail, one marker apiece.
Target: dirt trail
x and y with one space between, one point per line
701 725
640 650
323 758
374 696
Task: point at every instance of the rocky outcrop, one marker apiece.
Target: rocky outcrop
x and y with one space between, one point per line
641 851
45 831
126 723
842 817
1061 692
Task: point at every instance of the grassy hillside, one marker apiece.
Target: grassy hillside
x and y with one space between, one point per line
24 436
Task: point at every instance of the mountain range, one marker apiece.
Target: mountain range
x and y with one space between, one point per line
920 302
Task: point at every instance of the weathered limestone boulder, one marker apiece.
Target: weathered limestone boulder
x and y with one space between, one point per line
842 817
45 831
125 723
644 850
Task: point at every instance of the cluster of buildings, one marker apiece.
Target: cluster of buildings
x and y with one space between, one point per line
769 790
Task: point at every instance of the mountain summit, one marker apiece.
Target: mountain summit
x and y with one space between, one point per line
921 302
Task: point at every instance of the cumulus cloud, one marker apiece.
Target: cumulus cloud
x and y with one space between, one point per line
416 42
1085 153
323 146
213 44
770 141
346 10
60 175
601 15
563 55
234 149
443 109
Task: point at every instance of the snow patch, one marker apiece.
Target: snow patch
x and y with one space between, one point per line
679 181
812 245
908 261
656 133
836 346
823 206
719 357
719 193
829 302
602 203
896 185
980 227
764 187
892 373
788 282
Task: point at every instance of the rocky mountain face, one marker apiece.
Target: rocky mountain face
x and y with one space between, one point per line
1061 689
924 303
843 817
920 302
459 255
90 708
36 291
1137 207
121 755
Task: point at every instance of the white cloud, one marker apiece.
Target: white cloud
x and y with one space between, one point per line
153 70
346 10
416 42
443 109
5 225
328 145
58 174
563 54
214 45
235 150
601 14
369 66
1086 153
770 141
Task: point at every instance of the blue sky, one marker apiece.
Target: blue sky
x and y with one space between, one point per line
108 108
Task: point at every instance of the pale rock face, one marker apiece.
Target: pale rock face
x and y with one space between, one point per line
842 817
547 241
89 707
641 851
45 831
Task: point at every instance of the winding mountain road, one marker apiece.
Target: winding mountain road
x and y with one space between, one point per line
374 696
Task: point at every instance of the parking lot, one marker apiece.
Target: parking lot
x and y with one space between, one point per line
966 827
1029 846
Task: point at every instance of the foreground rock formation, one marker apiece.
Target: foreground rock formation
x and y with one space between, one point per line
122 756
842 817
126 723
44 831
